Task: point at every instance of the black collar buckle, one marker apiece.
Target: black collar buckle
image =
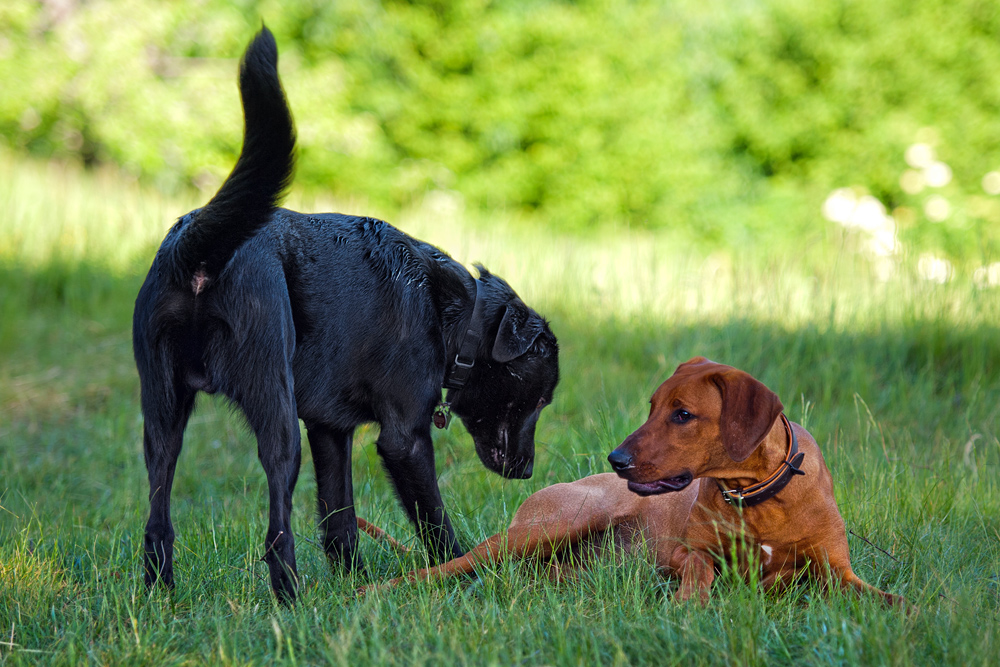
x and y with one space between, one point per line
459 370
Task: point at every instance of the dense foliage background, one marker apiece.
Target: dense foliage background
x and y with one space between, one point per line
726 121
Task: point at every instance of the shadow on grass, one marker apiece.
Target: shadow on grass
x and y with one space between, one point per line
884 363
69 323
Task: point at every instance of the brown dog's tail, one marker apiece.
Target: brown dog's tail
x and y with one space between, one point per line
377 533
262 173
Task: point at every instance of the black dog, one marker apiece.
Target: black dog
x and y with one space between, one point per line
333 319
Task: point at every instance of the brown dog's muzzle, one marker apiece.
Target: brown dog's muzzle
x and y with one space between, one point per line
630 467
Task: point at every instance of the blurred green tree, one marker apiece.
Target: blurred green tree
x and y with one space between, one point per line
726 121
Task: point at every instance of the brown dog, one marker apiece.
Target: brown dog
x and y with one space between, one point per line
761 491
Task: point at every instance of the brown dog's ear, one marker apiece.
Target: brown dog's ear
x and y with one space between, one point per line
748 412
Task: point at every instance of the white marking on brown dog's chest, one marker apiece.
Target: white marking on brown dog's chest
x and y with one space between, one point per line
768 551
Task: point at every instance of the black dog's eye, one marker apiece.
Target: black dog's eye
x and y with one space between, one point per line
681 416
541 404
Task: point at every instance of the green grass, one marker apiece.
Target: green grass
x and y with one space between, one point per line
898 381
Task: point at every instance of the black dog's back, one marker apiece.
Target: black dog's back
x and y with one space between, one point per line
367 306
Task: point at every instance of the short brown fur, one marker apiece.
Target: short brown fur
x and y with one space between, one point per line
734 434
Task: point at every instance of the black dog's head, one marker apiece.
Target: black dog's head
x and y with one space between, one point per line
509 385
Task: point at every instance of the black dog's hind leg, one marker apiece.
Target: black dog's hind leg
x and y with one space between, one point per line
163 435
331 452
411 466
275 423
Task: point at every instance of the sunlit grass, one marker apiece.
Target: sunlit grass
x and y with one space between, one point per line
898 380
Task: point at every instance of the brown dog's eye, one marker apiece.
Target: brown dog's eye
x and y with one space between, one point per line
681 416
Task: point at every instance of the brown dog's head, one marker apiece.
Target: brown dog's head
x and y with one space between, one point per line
703 418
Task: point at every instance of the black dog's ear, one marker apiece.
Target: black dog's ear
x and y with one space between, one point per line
748 412
518 330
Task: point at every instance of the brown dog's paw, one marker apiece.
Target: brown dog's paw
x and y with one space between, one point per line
701 597
895 600
900 603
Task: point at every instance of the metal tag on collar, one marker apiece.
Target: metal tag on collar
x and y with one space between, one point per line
442 416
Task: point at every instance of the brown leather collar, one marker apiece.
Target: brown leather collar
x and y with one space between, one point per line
758 493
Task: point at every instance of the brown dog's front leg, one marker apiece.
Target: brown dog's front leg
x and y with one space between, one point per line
549 520
490 550
517 542
697 572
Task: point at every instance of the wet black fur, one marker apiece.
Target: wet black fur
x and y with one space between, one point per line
334 319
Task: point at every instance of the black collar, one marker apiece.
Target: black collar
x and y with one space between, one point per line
457 373
758 493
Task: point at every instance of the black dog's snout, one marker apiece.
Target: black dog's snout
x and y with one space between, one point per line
524 468
619 460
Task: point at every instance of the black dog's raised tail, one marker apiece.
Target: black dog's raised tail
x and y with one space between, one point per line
258 182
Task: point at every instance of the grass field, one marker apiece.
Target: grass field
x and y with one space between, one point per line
899 381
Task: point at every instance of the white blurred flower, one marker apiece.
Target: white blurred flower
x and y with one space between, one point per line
987 276
869 215
883 242
866 213
912 181
840 205
937 209
991 183
935 269
919 156
937 174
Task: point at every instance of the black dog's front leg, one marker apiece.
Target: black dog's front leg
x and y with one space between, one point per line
410 464
331 452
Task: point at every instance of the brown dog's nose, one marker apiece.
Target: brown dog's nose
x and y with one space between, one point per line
619 460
